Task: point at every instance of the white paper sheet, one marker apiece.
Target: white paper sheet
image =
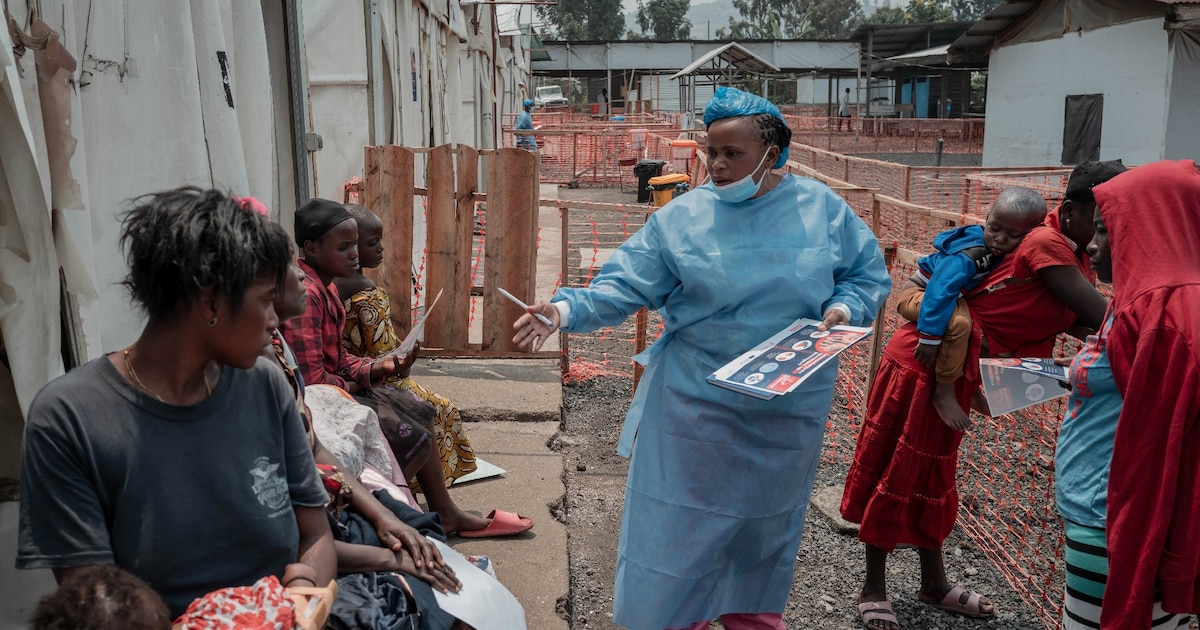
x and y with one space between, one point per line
410 340
483 603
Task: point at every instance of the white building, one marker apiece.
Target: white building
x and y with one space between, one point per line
1071 80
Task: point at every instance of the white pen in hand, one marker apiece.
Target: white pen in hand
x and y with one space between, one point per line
541 318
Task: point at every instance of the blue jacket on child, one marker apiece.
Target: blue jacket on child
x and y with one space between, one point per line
960 261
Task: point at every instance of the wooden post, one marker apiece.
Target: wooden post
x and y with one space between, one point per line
876 215
388 192
845 170
907 182
510 244
564 362
449 250
966 198
877 332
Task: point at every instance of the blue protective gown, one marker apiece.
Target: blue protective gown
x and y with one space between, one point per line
719 482
525 121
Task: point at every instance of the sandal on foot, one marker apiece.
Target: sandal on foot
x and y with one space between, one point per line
502 524
973 608
875 614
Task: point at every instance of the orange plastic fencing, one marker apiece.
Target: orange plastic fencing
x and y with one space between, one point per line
593 235
888 135
598 153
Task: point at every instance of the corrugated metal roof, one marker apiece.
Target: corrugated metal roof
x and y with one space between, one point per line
978 40
889 40
733 54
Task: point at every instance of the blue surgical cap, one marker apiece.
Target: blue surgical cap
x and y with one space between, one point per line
528 103
730 102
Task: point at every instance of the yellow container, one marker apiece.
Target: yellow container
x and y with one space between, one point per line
662 188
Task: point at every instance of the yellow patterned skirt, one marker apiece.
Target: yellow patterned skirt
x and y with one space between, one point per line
369 333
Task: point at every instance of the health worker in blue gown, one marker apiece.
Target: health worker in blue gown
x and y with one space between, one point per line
719 481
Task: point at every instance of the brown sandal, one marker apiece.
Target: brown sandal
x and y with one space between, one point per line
873 614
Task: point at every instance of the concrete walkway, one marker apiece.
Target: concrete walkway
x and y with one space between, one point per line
512 408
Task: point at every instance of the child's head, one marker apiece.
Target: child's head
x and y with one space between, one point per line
328 238
291 300
101 598
1016 212
370 236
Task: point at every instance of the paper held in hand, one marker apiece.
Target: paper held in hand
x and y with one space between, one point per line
783 361
418 329
1014 384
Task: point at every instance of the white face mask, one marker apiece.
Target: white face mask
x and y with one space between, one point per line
743 188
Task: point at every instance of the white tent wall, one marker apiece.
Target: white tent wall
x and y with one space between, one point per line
336 54
136 99
1127 63
283 202
163 95
1182 139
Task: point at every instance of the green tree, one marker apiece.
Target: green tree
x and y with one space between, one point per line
576 20
971 10
834 19
922 11
664 19
792 19
887 15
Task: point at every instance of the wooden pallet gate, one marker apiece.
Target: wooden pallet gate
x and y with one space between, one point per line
510 241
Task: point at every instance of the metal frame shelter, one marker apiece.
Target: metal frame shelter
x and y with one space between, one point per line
719 66
880 42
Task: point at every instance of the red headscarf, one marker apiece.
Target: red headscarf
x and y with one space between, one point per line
1153 218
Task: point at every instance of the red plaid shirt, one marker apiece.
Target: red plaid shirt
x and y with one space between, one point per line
316 337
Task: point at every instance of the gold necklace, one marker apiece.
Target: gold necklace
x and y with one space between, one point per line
133 373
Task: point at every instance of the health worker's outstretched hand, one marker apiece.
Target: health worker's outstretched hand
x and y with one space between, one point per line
531 330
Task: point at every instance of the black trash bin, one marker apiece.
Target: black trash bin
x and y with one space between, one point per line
644 170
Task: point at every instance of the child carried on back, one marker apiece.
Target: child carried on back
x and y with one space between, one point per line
932 297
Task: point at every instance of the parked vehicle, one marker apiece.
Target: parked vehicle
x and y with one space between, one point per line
549 96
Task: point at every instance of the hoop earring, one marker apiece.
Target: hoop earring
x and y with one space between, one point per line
213 321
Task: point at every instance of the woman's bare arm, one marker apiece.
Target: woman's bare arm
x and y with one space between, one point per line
1074 290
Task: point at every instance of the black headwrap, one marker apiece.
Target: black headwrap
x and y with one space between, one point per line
1089 175
317 217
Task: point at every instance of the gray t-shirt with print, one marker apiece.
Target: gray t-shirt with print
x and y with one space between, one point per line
191 499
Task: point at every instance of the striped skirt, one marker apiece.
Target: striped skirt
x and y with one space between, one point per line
1087 572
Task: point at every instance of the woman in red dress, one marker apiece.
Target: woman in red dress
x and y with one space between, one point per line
901 485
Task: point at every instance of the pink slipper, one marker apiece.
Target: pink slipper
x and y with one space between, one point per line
503 524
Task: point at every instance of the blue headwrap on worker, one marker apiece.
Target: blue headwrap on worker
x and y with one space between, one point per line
730 102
